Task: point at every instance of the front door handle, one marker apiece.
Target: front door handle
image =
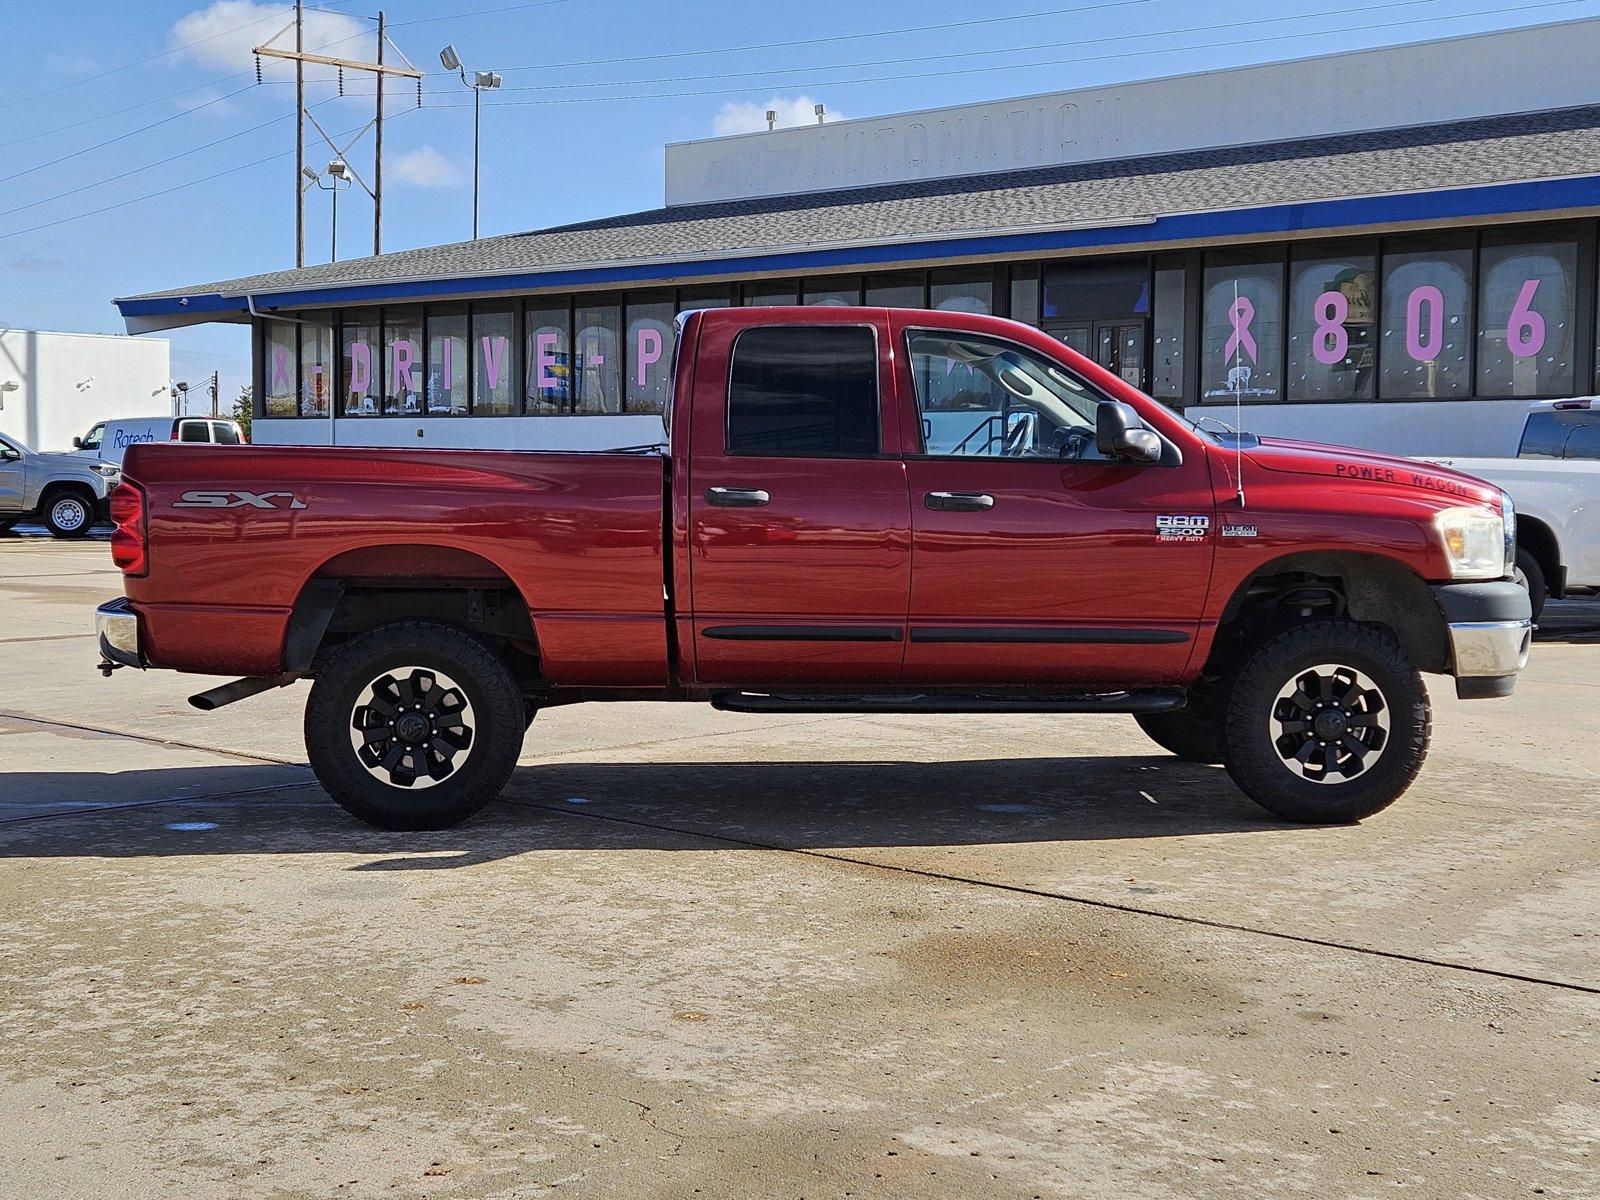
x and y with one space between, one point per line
726 497
958 501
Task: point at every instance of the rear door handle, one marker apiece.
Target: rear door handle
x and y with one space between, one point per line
726 497
958 501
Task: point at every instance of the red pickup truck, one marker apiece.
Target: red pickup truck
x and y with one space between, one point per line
856 510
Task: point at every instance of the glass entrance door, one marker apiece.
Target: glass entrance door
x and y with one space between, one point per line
1118 346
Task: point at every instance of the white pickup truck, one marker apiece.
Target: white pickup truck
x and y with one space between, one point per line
1555 483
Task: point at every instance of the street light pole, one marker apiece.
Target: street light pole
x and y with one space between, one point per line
482 81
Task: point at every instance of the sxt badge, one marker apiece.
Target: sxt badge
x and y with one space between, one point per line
1177 528
238 500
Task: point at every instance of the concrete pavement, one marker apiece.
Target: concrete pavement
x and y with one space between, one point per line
699 954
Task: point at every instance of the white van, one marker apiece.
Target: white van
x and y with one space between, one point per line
108 440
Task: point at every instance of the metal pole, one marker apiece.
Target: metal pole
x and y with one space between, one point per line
333 243
299 137
477 95
377 155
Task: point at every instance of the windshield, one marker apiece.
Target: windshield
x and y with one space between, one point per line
20 447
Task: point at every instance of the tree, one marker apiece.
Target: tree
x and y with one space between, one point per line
244 408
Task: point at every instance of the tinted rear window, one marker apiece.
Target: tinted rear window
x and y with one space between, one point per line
801 391
193 431
1584 440
224 434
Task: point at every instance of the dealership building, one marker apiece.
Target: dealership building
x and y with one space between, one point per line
1393 248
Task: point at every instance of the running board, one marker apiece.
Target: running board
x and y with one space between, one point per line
1152 701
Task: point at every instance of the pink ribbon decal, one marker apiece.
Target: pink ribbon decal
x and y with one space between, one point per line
1240 315
281 381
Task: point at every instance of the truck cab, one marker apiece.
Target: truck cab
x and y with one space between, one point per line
867 510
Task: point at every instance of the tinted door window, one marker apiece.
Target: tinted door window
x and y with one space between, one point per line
804 391
224 434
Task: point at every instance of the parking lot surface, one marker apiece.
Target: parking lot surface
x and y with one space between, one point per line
697 954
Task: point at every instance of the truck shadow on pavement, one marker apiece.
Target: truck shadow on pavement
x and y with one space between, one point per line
662 806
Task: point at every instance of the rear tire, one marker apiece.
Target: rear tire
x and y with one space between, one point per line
1194 733
414 726
69 514
1531 576
1327 723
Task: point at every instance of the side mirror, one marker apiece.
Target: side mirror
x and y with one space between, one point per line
77 443
1120 434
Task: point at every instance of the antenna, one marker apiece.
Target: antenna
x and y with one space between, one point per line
1238 396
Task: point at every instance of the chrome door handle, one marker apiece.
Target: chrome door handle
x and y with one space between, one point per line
726 497
958 501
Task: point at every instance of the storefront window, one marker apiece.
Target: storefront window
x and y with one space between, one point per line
964 290
771 291
1526 316
1166 347
402 360
599 359
361 363
316 367
278 398
1241 332
650 333
835 291
494 367
1427 315
898 289
447 360
1025 295
549 358
1332 352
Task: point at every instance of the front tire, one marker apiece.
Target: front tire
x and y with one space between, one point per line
69 515
1531 576
414 726
1327 723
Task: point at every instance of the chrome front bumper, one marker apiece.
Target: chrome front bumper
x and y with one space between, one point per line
1486 656
118 628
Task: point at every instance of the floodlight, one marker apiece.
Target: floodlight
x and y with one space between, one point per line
450 59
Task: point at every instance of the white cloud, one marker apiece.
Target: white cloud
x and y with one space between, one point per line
750 117
425 167
224 33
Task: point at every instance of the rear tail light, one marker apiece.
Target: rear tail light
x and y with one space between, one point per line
128 539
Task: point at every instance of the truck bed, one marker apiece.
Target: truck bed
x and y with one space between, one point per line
237 532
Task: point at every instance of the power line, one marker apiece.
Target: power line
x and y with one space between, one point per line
1519 8
158 163
967 54
482 12
139 62
177 187
817 41
119 138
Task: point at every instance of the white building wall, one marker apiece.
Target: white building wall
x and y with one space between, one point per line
66 382
1490 74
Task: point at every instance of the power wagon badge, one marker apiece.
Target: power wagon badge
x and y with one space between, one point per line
1182 528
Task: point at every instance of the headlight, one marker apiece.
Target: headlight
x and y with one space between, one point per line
1509 510
1474 542
108 471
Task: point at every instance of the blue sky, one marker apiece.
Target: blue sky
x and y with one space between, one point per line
106 102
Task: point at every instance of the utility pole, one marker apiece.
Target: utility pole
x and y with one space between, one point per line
377 153
299 134
215 384
381 70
